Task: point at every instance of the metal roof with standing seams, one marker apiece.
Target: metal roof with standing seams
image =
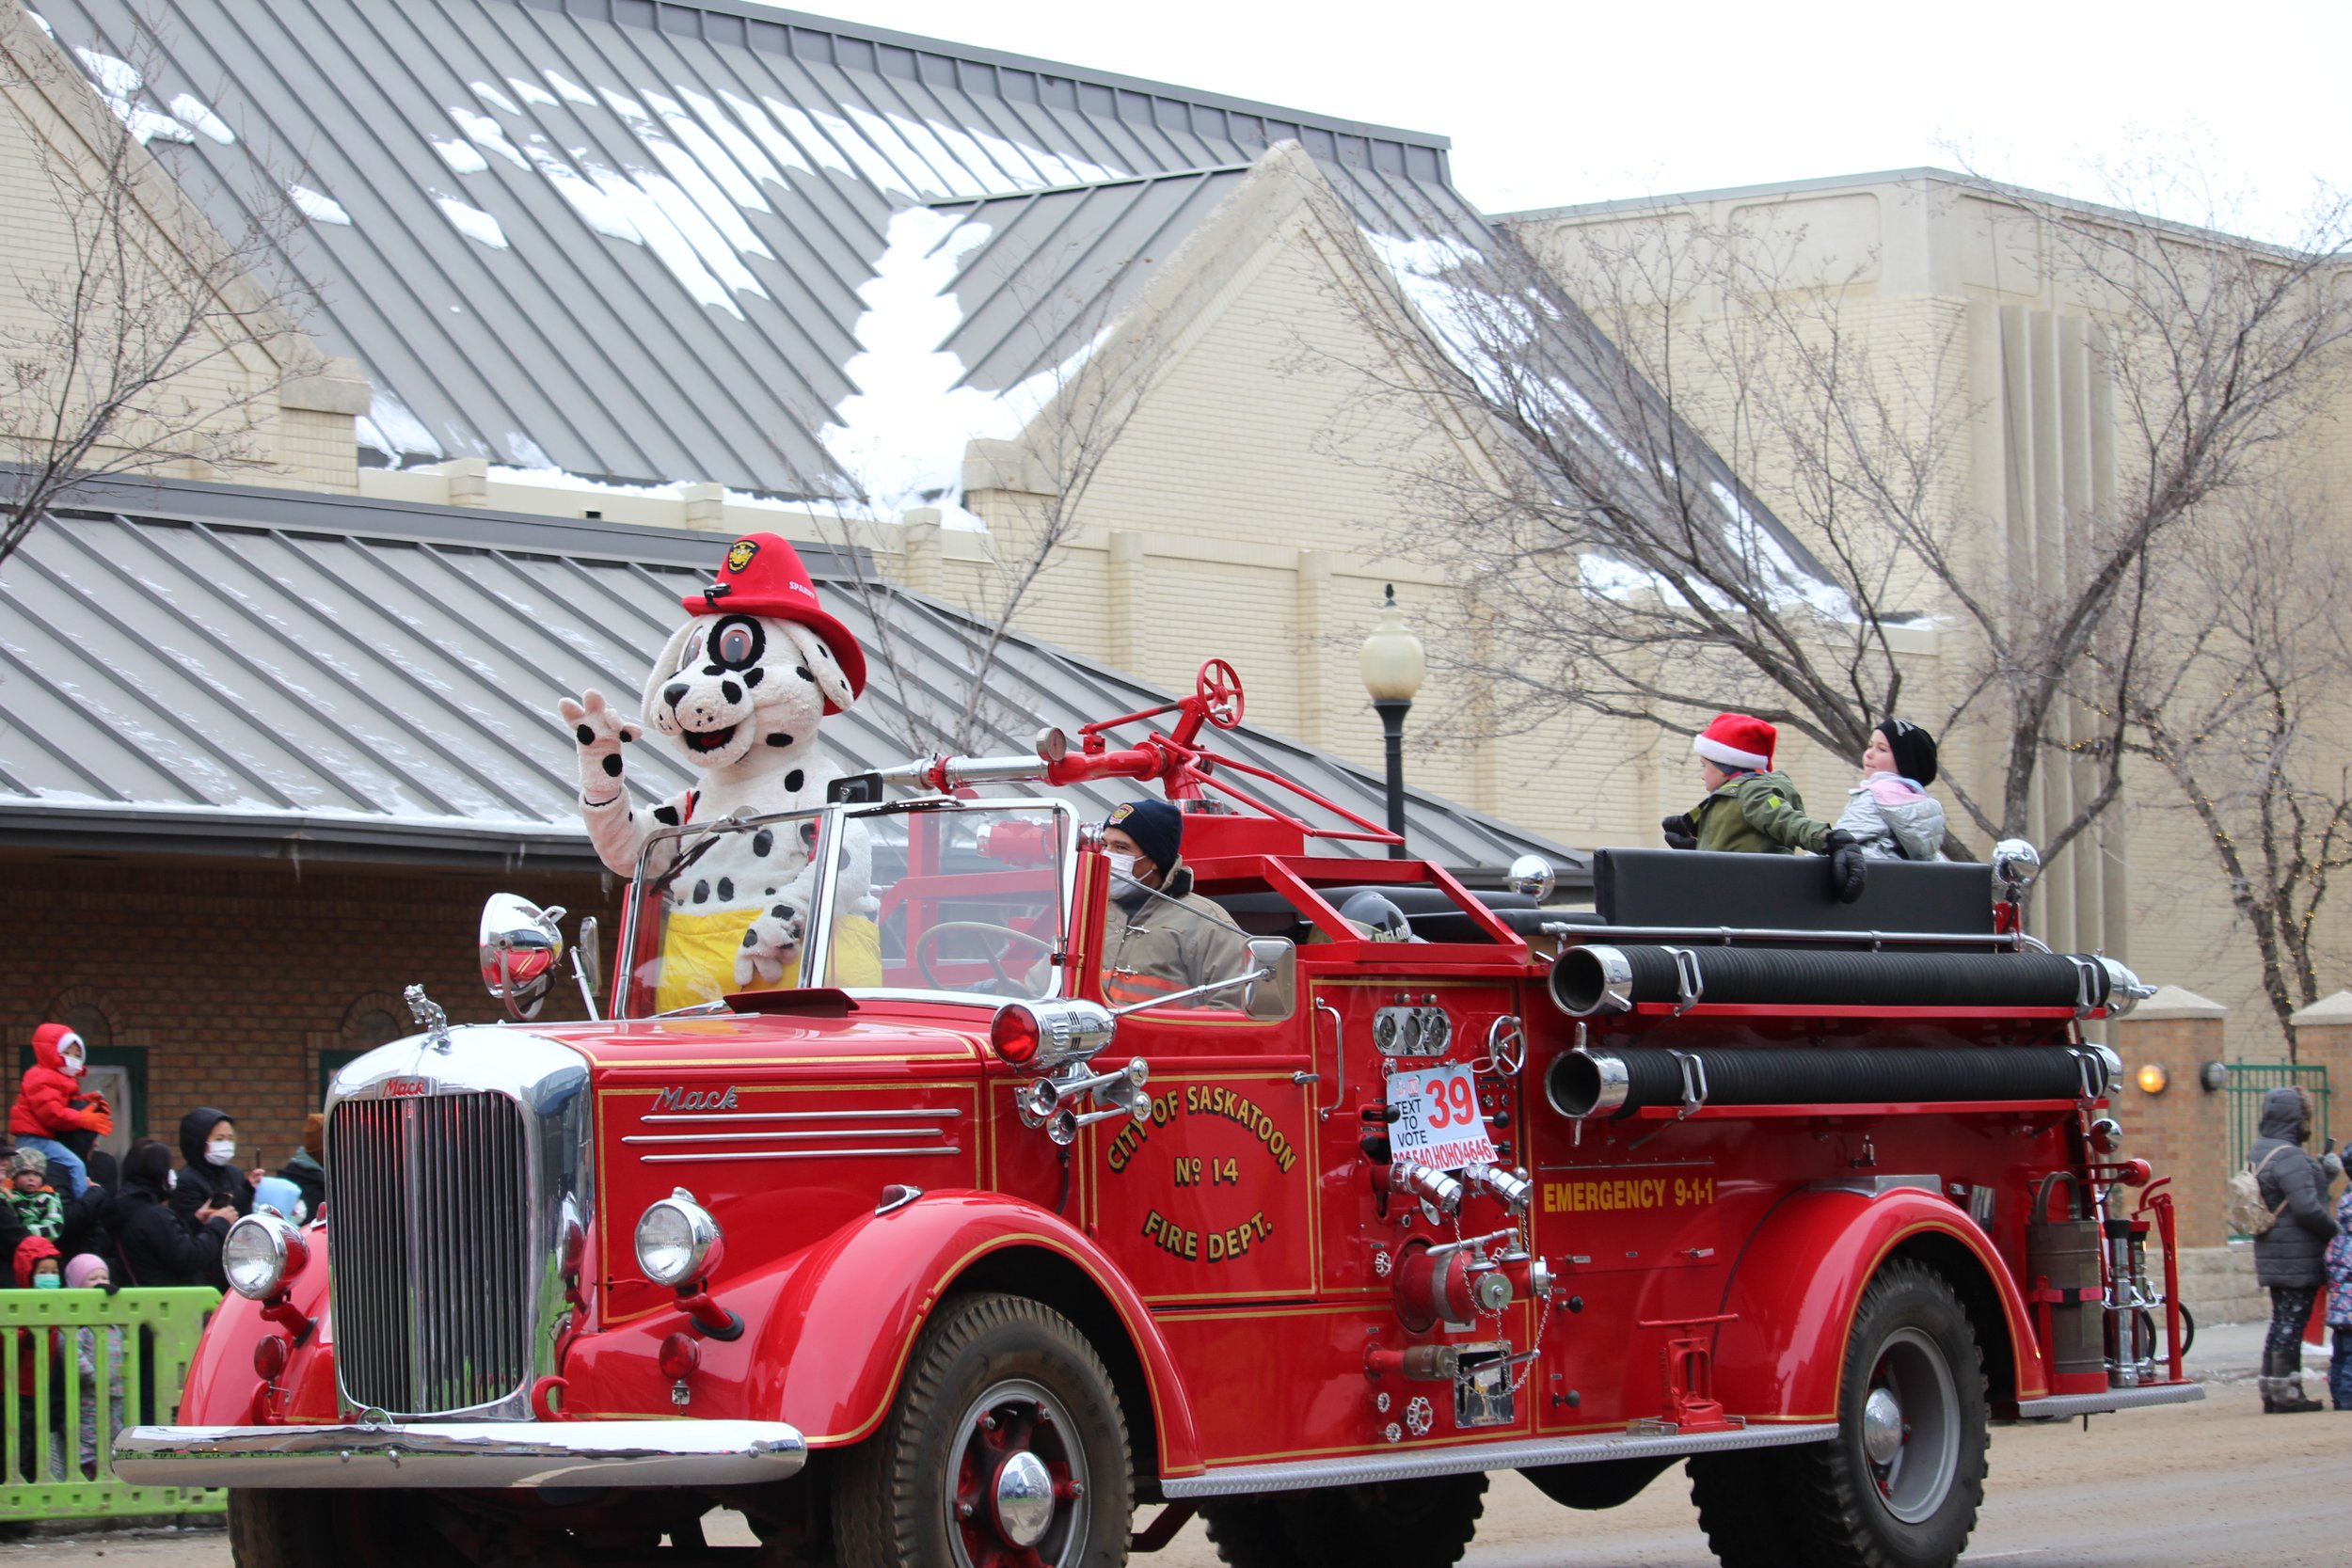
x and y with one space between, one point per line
647 241
190 668
550 231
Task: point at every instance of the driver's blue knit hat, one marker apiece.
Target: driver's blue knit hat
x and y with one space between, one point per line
1157 828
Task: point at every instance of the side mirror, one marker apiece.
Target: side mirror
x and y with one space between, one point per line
520 947
589 955
1272 999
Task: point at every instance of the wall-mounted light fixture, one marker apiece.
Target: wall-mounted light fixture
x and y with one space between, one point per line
2153 1078
2212 1076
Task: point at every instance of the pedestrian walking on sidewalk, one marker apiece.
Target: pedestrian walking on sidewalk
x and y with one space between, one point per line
2290 1258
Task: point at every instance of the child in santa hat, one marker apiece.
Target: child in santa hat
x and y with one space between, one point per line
53 1105
1750 807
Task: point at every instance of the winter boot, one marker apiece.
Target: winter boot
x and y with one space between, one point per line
2282 1384
2291 1400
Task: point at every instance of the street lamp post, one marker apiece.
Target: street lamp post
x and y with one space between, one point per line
1392 665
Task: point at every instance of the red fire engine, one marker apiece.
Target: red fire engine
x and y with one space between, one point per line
968 1267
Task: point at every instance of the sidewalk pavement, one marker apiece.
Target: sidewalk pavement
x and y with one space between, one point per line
2232 1353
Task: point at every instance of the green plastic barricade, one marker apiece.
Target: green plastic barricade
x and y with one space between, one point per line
80 1365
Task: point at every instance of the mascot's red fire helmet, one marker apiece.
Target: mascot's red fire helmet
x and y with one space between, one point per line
762 574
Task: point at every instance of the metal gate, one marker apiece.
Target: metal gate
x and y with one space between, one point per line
2250 1080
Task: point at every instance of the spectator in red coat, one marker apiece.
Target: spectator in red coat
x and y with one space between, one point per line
53 1103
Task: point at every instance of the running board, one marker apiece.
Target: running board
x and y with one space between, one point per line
2060 1406
1226 1480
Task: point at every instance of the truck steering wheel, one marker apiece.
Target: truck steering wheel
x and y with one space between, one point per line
922 955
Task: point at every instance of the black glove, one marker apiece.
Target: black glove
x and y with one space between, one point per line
1681 833
1848 867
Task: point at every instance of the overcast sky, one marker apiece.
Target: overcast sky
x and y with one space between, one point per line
1550 103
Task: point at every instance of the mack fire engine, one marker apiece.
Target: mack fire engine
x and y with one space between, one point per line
970 1268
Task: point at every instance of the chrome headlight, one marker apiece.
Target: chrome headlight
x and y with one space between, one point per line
677 1241
261 1253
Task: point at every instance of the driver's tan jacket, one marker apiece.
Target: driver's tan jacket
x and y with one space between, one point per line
1159 947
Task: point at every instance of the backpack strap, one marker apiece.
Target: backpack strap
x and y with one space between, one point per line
2258 1179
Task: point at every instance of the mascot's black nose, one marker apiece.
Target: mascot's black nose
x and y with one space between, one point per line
672 692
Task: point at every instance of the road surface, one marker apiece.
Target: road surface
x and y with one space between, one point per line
2182 1487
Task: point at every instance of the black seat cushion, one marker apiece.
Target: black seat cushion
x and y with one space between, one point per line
1429 911
1691 887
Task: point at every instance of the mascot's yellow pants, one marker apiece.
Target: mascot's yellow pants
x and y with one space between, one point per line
698 953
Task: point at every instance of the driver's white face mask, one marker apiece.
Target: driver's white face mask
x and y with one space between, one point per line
1123 866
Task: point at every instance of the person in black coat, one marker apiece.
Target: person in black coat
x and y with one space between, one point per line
158 1246
208 1141
2290 1258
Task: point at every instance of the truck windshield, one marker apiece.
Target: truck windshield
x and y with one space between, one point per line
949 897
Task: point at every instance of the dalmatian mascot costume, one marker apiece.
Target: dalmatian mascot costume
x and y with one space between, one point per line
740 687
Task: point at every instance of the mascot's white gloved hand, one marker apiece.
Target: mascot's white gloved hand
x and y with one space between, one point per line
772 944
600 731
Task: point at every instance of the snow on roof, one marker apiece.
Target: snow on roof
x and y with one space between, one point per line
645 243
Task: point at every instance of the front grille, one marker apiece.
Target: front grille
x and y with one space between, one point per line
427 1204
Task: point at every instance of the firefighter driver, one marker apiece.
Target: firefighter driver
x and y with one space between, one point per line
1159 937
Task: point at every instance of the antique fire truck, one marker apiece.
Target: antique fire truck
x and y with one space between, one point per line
968 1268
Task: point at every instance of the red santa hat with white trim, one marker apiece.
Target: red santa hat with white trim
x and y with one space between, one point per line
1736 741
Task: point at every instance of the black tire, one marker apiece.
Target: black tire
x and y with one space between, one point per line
1248 1532
1900 1484
354 1530
1002 1391
1743 1503
1423 1523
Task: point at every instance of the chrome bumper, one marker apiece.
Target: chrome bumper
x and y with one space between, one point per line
464 1455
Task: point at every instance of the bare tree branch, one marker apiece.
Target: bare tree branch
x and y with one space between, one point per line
2253 727
144 338
1620 570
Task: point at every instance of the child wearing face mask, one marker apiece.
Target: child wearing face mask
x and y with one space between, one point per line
38 1208
208 1141
53 1103
38 1268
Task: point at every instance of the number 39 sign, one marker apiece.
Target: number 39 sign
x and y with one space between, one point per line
1438 1120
